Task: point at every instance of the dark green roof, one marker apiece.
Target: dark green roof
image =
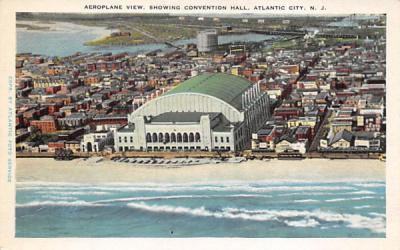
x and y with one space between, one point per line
222 86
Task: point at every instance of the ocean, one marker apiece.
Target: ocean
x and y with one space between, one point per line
226 209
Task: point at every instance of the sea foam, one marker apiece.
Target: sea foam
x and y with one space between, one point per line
289 217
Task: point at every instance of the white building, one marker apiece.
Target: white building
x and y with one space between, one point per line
207 40
206 112
96 141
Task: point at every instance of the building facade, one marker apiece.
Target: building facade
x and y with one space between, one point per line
97 141
207 40
207 112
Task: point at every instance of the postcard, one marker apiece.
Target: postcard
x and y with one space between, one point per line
194 125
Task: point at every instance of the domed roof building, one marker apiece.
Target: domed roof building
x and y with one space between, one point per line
212 111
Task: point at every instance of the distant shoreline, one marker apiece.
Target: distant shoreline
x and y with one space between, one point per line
80 171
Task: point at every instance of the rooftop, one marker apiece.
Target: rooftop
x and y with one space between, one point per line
222 86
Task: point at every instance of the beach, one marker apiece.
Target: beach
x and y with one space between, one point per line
81 171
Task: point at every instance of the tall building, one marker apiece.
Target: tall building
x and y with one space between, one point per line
207 112
207 40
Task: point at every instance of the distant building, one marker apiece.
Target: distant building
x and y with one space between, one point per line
47 124
342 139
73 120
207 40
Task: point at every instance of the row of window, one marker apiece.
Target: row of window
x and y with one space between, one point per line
173 148
178 137
221 139
165 138
161 148
125 139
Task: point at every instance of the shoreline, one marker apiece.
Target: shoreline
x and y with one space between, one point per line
308 170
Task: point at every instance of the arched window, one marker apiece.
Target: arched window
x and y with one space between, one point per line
160 137
191 137
179 137
166 136
173 137
148 137
197 137
155 137
185 137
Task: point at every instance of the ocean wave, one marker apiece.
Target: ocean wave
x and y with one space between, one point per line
310 218
77 203
73 192
54 197
370 185
307 194
361 192
377 214
326 193
161 188
170 197
362 207
351 199
376 224
306 201
302 223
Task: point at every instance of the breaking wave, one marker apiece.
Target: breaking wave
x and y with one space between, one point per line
370 185
351 199
306 201
73 192
171 197
308 218
233 188
58 203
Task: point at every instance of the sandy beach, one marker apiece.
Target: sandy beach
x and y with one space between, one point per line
80 171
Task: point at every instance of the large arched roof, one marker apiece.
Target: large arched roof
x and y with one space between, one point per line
228 88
